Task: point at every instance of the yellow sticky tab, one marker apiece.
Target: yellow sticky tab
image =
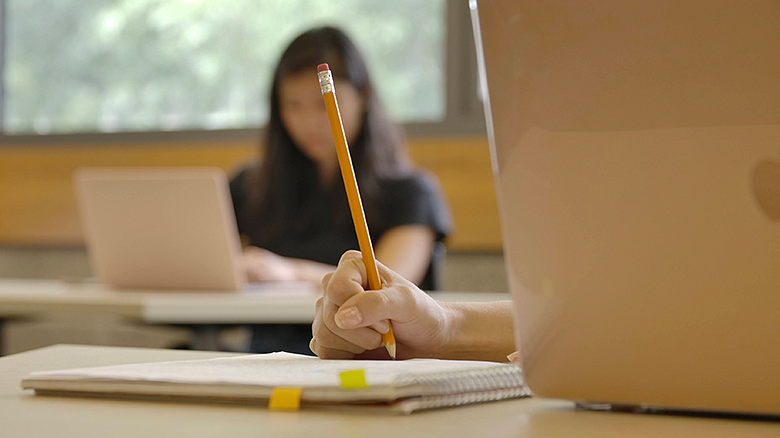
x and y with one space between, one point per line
285 399
354 379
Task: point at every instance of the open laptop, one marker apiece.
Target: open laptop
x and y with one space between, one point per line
160 228
636 146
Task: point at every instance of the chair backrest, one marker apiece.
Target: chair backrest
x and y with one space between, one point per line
434 277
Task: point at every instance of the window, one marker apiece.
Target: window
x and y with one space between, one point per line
82 66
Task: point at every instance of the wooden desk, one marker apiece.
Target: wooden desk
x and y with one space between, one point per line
25 415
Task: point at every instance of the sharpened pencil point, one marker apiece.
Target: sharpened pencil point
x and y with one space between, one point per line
391 350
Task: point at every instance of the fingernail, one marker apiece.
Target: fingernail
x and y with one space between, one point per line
514 357
382 327
349 317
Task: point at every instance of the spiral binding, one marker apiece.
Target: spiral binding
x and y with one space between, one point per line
457 388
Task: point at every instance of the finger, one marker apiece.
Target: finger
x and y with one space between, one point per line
348 278
363 337
315 325
329 353
355 258
326 280
260 273
378 354
350 257
370 307
254 276
382 326
327 339
388 276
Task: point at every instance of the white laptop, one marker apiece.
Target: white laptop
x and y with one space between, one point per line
160 228
637 150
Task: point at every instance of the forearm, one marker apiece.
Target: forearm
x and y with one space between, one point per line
479 331
307 270
407 250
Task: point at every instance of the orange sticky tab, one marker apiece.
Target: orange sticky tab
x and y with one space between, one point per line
354 379
285 399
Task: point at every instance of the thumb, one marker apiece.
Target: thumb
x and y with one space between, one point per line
369 307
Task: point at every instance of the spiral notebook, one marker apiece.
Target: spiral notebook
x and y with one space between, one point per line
292 381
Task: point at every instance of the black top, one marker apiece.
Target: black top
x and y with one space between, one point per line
415 199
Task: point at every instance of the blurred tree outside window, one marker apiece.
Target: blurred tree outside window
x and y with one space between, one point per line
165 65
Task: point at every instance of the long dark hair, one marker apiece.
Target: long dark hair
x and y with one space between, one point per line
286 182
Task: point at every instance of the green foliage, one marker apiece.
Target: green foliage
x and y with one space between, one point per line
128 65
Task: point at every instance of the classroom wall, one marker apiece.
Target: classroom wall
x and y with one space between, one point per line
38 208
40 235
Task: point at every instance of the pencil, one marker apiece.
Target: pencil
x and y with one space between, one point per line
353 195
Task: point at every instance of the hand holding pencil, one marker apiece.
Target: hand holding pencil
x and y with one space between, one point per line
353 194
350 317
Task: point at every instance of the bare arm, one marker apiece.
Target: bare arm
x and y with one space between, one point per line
479 331
406 250
307 270
263 265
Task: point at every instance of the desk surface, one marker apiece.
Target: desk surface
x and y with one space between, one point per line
22 414
261 303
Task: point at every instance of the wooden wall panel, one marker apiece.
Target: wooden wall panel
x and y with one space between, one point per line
38 207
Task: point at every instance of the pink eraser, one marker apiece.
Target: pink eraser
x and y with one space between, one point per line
322 67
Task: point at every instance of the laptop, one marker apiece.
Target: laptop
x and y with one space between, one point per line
160 228
636 149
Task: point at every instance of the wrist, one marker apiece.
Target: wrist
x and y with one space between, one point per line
452 327
298 269
478 331
458 342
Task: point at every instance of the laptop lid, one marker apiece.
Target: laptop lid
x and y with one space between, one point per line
636 146
160 228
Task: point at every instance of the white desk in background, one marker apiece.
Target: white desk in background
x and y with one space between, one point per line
271 303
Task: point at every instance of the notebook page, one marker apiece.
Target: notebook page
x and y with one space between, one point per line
275 369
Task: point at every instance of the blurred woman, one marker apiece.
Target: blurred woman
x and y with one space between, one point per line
291 206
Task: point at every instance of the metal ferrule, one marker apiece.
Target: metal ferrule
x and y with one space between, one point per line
326 81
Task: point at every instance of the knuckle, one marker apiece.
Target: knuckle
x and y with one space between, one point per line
335 285
357 263
321 352
315 325
326 279
340 289
372 344
374 301
350 255
329 320
324 337
407 294
405 291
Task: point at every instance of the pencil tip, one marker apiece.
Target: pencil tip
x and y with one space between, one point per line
391 350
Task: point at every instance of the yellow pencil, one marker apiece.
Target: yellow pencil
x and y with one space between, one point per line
353 195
